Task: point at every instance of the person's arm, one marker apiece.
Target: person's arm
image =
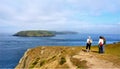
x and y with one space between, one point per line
91 41
87 40
99 41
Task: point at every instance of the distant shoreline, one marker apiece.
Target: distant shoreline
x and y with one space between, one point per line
41 33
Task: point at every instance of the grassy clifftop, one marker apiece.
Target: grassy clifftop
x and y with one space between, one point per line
72 57
48 57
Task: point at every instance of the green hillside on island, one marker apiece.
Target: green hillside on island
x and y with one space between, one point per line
41 33
35 33
71 57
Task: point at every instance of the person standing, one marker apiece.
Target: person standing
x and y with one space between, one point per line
88 44
100 44
104 42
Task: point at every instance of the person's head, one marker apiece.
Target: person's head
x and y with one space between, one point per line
100 37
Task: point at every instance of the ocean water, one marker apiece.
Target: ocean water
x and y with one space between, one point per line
12 48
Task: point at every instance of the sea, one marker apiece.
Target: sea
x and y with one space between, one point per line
12 48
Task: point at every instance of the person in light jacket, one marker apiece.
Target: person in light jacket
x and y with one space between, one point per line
101 44
88 44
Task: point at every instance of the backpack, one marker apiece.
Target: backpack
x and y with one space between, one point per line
101 44
104 41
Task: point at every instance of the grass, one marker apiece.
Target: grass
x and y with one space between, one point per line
80 64
62 60
112 53
113 49
34 63
54 53
42 63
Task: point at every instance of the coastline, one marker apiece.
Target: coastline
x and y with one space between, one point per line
42 54
16 46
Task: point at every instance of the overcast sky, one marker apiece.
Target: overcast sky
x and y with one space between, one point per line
84 16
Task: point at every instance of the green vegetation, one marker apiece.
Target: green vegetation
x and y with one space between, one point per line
79 64
41 33
35 33
113 49
34 63
62 60
112 53
64 32
55 56
42 63
51 58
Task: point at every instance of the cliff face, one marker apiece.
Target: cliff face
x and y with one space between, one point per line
47 57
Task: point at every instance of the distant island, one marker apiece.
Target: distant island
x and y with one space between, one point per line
64 32
34 33
40 33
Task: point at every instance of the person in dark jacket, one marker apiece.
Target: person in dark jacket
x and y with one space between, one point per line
88 44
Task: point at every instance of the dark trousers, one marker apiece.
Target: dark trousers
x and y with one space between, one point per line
101 49
88 45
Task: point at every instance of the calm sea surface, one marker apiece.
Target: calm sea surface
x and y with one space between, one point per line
12 48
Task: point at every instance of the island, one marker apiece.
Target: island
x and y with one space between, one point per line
35 33
64 32
41 33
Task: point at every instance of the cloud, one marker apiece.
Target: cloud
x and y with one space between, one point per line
55 14
96 5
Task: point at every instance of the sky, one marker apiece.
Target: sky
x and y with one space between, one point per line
84 16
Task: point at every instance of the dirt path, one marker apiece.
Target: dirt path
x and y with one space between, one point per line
69 63
93 62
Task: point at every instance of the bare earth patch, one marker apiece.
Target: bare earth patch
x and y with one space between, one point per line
93 62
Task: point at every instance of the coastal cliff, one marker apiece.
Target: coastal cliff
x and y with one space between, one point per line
48 57
53 57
